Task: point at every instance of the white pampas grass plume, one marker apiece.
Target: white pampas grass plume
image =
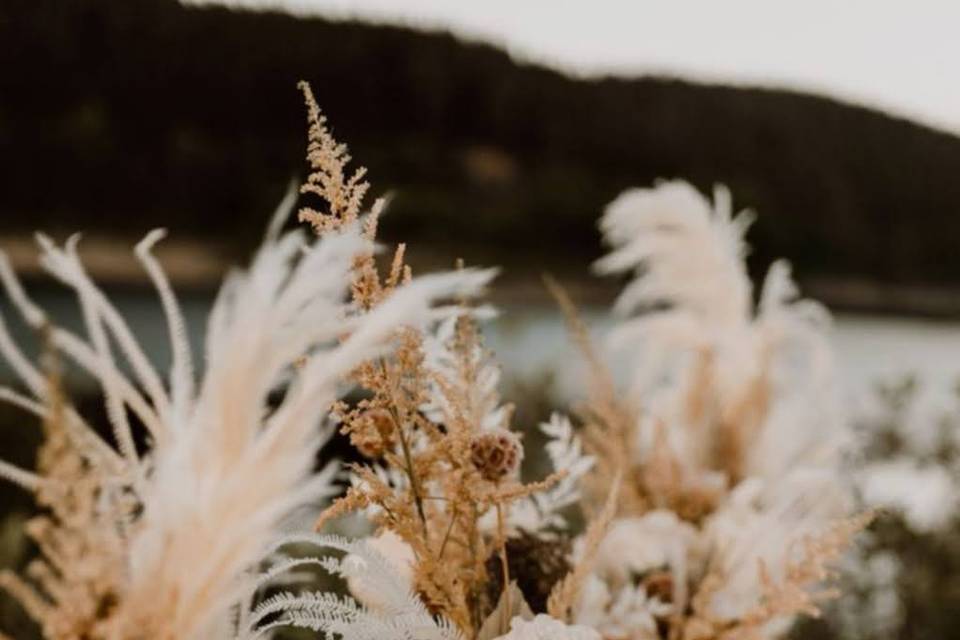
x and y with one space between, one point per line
244 471
224 467
702 349
691 252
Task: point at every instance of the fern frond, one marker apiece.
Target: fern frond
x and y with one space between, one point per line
542 512
400 614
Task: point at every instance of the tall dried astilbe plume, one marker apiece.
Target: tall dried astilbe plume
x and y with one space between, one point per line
195 512
445 462
328 177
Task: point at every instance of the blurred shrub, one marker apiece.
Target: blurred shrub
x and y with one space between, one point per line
904 581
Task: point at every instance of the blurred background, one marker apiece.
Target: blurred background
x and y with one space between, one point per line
500 129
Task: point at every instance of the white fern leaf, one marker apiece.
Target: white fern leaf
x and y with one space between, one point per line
400 614
542 512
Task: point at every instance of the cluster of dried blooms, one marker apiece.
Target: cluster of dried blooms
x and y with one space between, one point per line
728 434
709 483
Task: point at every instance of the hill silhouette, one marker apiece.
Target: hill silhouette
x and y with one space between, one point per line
127 115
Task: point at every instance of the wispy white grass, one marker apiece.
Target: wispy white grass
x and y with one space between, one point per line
223 467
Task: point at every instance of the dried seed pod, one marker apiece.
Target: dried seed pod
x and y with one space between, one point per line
496 454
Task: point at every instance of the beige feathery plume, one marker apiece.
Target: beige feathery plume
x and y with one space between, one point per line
163 542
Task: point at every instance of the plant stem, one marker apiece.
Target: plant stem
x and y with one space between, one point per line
446 537
414 481
407 456
502 542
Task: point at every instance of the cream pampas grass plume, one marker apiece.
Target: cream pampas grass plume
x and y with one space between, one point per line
736 376
187 519
737 503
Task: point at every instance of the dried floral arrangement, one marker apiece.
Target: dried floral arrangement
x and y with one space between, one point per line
709 481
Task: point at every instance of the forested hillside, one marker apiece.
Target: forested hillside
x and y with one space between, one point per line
144 113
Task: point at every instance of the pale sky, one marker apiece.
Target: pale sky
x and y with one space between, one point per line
902 57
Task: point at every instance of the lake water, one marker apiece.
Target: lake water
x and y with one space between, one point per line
533 340
868 348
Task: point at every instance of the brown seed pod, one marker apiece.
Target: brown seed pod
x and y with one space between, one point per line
496 454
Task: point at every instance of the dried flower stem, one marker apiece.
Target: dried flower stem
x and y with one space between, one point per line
566 592
408 465
504 564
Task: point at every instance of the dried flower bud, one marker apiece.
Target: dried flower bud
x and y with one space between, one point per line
374 435
496 454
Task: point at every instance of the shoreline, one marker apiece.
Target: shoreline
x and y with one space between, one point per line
199 266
